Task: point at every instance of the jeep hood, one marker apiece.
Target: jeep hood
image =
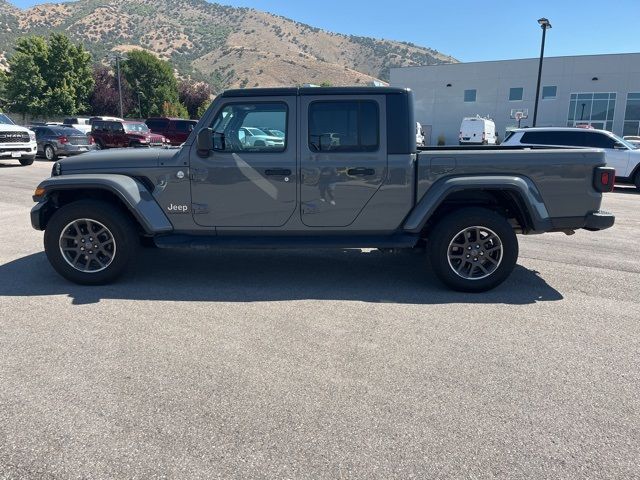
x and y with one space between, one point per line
117 159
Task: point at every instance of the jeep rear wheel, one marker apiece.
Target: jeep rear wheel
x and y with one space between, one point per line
473 249
90 242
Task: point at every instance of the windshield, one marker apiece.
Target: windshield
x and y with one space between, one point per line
5 120
626 143
136 128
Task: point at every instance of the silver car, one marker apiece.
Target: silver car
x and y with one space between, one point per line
56 141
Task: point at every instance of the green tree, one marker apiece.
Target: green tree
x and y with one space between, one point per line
3 85
153 77
49 76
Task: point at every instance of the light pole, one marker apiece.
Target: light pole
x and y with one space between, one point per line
544 24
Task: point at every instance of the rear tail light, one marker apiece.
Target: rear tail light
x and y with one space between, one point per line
63 140
92 141
604 179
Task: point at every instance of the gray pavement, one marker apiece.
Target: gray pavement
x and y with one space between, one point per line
320 364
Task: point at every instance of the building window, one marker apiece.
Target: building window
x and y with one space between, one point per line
516 94
469 95
632 115
592 109
549 92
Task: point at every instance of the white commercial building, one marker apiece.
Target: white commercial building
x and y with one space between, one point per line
598 90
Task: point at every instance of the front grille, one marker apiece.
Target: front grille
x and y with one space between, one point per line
14 137
79 140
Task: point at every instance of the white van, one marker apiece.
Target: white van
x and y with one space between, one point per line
420 138
477 131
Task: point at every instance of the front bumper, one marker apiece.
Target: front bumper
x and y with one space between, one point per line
39 214
18 150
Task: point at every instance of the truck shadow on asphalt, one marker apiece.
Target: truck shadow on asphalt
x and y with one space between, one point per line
259 276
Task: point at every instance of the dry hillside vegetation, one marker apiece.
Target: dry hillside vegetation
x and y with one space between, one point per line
226 46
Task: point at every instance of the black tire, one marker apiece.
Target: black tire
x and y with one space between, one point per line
490 270
50 153
118 225
636 180
26 161
99 145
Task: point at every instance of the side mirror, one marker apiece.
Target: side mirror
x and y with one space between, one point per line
619 146
204 141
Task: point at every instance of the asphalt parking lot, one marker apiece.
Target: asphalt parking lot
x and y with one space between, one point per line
320 364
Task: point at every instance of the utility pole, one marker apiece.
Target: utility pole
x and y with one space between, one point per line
119 84
544 24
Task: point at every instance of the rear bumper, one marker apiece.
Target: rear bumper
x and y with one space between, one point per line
74 149
593 222
599 221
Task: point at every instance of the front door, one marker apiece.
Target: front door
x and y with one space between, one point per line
244 183
343 157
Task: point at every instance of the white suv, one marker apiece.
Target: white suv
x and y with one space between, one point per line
619 153
16 143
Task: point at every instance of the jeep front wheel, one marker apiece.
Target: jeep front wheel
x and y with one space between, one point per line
473 250
90 242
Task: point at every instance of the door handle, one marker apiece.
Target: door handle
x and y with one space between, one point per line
278 172
361 171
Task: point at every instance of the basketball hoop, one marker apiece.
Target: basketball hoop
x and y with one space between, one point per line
519 114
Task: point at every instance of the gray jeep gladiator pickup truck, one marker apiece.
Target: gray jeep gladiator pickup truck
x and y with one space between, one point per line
317 167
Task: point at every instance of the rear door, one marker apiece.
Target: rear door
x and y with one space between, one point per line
241 185
343 157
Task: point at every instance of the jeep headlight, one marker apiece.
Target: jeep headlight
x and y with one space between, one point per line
56 171
32 137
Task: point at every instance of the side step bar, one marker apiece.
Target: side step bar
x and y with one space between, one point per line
262 242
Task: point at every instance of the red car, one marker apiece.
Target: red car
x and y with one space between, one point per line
117 134
176 130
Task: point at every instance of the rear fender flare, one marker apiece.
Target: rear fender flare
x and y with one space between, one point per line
439 191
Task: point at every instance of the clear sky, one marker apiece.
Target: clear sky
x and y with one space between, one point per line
472 30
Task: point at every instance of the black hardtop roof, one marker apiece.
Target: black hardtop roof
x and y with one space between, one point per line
295 91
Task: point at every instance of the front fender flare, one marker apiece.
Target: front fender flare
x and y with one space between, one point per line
133 194
439 191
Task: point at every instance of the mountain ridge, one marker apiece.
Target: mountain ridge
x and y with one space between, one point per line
226 46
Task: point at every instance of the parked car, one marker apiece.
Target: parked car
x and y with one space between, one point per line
119 134
16 143
111 119
374 190
62 141
620 154
254 137
273 132
176 130
420 138
477 131
79 123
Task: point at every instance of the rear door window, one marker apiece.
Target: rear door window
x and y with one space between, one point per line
599 140
184 126
344 126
